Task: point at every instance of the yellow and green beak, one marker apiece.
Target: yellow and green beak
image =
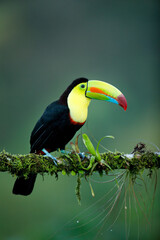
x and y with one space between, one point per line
105 91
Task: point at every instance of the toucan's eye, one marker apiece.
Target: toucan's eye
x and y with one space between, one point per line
82 86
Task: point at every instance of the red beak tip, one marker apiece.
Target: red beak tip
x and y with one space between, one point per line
125 108
122 101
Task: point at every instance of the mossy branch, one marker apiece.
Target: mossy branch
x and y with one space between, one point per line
22 165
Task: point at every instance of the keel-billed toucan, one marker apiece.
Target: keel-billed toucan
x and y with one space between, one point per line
63 118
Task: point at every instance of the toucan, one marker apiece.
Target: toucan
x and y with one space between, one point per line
63 118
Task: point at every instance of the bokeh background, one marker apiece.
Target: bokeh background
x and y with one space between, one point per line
44 46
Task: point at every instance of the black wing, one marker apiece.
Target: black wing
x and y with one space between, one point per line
49 129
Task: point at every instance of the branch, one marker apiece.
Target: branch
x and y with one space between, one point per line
22 165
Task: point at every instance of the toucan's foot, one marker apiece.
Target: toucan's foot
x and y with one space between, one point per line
47 154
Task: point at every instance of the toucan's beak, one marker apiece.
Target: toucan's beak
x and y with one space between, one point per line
104 91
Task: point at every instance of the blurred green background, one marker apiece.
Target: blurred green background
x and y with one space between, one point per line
44 46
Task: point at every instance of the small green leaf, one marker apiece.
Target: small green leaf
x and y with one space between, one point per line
88 144
63 172
73 173
98 156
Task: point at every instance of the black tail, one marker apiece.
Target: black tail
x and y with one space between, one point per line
24 186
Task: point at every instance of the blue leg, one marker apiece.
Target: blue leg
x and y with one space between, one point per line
47 154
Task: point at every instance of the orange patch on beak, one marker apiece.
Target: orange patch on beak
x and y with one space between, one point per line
97 90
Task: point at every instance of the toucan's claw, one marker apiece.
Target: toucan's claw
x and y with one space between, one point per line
47 154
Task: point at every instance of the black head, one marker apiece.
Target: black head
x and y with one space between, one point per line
63 97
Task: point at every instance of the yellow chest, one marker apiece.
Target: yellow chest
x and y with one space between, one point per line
78 106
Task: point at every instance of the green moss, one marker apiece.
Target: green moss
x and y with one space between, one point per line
23 165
